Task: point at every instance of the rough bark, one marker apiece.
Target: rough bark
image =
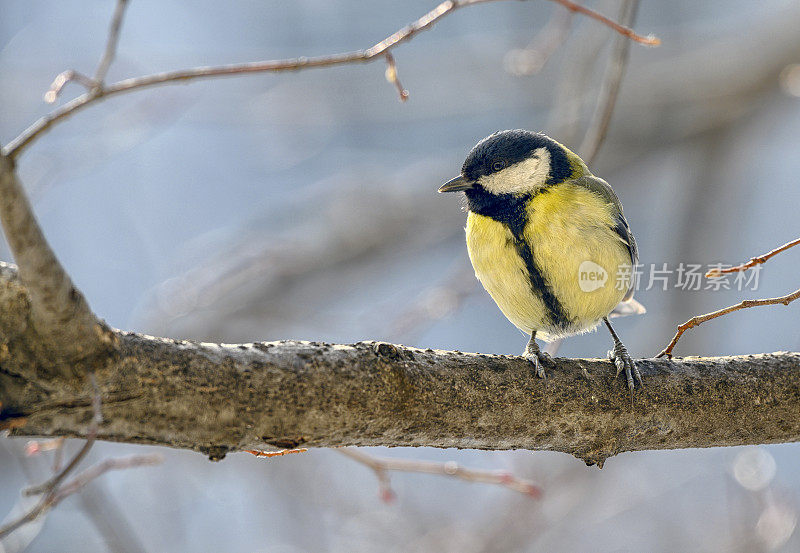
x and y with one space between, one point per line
217 398
60 315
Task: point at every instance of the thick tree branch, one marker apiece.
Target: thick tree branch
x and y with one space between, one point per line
59 312
55 489
219 398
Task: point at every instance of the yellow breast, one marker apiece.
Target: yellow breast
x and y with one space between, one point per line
502 272
581 258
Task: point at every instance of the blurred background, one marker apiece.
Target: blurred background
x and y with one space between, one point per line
303 205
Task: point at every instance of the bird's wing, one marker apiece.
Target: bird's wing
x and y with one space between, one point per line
621 228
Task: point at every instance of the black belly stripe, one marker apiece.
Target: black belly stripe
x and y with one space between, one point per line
555 310
510 211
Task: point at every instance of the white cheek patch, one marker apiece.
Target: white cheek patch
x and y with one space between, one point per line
522 177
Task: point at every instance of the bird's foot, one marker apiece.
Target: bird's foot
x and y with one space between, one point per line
539 359
622 360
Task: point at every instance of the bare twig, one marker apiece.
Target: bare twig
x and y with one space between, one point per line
111 43
58 457
53 491
699 319
623 29
53 483
95 471
382 466
715 273
386 493
35 447
97 418
612 80
55 496
94 84
50 487
378 50
532 59
61 81
553 35
37 511
391 77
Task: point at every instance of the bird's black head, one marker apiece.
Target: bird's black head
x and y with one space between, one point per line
515 162
505 149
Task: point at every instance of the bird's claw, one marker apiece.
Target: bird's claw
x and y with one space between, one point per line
540 360
622 360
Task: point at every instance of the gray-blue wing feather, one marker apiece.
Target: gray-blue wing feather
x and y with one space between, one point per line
621 228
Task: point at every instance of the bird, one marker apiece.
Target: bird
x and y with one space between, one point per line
548 241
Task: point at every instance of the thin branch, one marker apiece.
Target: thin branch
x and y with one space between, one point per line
391 77
699 319
532 59
552 36
50 487
95 471
386 493
612 80
111 43
55 496
623 29
65 77
97 418
715 273
54 490
38 510
382 466
58 457
15 147
93 85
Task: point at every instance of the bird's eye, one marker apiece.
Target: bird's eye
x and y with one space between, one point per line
498 165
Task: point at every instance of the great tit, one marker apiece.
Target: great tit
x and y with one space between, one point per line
547 239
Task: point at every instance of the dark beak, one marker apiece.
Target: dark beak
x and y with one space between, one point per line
458 184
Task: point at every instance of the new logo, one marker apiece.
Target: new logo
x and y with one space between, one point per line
591 276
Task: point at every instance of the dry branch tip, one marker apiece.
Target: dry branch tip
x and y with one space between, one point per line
717 272
391 77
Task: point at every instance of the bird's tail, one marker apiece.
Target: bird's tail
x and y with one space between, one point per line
628 307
